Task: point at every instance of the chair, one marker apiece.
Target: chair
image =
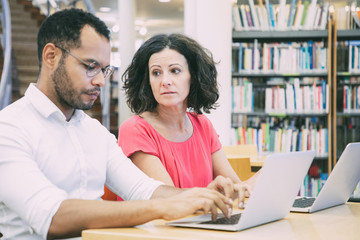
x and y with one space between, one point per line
249 150
239 158
242 167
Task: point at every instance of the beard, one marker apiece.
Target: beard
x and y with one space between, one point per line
67 95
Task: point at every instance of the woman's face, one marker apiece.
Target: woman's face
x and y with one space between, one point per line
169 78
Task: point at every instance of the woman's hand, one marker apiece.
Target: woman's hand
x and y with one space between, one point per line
243 191
233 191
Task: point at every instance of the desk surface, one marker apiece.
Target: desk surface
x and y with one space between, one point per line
341 222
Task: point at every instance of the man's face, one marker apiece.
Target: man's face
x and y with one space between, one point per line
73 87
68 94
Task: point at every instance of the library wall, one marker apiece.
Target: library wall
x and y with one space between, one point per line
209 22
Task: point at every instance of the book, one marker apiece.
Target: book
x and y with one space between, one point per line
317 18
244 17
260 18
304 15
298 16
272 15
264 16
324 18
292 13
249 17
281 15
310 16
269 13
254 16
237 25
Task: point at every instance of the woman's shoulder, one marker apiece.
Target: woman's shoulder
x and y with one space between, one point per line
199 118
133 122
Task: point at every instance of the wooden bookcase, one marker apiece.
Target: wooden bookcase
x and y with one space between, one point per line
346 84
345 80
254 114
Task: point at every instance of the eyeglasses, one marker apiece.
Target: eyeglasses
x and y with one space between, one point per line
93 68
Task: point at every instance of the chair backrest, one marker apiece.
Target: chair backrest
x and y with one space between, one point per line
242 167
239 158
248 150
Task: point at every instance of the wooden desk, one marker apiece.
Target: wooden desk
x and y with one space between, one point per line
341 222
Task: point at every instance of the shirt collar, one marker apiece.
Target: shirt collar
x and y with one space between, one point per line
46 107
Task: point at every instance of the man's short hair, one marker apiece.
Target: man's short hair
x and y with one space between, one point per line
63 28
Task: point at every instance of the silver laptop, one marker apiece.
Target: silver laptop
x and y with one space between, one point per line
339 185
271 199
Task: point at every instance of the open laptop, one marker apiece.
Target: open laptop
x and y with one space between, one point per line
339 185
271 199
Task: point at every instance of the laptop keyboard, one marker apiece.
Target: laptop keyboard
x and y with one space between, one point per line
303 202
232 220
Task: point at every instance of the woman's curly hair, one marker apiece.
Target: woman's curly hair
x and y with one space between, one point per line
203 89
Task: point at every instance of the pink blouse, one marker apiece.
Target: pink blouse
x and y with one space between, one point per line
188 163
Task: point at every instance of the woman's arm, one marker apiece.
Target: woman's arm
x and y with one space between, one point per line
222 167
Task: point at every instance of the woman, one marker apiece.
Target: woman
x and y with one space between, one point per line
169 84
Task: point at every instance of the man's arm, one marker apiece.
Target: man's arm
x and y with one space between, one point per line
75 215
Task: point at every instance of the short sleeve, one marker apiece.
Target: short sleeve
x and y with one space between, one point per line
135 135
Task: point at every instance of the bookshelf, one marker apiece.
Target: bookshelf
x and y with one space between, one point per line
281 82
346 92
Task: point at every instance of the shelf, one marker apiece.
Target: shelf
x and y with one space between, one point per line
342 83
350 34
347 74
322 157
278 36
272 75
283 115
342 114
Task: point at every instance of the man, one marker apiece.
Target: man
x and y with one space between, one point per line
55 160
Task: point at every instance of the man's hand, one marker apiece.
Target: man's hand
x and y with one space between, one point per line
196 199
231 190
223 185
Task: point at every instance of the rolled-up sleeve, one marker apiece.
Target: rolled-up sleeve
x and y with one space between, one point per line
24 188
125 179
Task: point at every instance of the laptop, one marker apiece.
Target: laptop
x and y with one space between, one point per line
271 199
339 185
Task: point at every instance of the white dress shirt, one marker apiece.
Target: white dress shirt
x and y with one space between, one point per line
44 160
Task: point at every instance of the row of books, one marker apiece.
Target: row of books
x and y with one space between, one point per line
347 130
348 16
312 186
351 99
297 99
354 56
348 57
351 80
293 16
293 57
277 120
283 139
242 95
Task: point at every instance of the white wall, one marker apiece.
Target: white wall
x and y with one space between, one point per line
210 22
126 21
